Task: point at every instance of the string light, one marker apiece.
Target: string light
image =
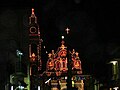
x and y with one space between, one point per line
44 47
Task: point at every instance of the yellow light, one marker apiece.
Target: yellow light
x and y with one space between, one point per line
73 83
33 55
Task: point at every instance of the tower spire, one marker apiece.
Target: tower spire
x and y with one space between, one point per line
35 67
32 18
33 11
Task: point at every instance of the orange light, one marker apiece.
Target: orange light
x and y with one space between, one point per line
77 64
33 54
33 57
50 64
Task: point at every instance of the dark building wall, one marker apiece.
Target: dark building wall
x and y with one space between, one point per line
13 35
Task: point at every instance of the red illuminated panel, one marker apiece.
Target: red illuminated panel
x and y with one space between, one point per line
57 65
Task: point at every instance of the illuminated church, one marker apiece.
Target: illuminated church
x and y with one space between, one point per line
62 68
56 72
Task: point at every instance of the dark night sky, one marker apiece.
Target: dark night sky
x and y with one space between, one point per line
94 30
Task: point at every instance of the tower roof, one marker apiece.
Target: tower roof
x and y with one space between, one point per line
33 12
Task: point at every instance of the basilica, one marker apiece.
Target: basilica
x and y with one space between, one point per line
63 68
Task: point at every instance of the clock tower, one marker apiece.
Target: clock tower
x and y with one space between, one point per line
34 45
35 63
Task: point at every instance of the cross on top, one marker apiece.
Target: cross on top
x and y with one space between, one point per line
32 10
67 30
62 46
62 42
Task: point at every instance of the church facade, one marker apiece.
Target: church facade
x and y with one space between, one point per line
63 67
57 69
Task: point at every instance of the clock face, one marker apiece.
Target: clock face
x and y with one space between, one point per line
33 30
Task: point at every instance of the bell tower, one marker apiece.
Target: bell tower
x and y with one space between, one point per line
35 63
34 45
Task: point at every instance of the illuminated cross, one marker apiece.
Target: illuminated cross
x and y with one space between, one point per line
67 30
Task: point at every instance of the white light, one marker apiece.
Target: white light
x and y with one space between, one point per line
113 62
21 87
65 77
19 53
116 88
11 87
38 87
47 81
44 46
62 37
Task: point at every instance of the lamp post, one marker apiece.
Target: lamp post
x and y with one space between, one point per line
19 54
114 69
